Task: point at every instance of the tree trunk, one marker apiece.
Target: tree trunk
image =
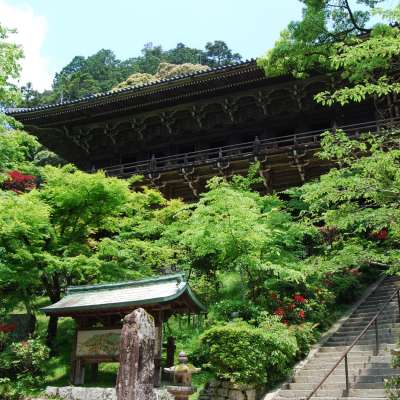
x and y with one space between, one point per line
136 352
51 332
53 290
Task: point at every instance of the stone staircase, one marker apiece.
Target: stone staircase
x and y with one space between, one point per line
366 370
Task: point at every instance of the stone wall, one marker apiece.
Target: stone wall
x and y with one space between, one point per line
221 390
82 393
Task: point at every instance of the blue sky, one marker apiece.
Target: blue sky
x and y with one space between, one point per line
52 32
81 27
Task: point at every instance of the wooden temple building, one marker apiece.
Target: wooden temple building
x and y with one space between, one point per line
179 132
98 311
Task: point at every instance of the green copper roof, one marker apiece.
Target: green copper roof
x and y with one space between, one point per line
162 289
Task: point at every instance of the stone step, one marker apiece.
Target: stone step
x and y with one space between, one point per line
356 319
369 332
332 398
355 356
384 327
336 385
371 314
369 385
340 379
366 370
358 347
327 365
362 341
335 393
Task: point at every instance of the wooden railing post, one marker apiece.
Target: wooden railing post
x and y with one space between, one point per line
376 337
346 370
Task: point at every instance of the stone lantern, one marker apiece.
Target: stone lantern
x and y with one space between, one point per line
182 374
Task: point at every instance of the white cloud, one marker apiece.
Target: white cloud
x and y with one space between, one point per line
31 33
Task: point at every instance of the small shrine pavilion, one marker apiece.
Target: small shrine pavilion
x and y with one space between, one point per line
98 311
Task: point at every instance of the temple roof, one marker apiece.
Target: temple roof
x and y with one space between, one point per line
148 95
125 295
116 92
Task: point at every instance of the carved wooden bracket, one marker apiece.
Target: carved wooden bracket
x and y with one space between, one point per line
139 126
230 107
198 114
298 160
168 120
191 178
80 137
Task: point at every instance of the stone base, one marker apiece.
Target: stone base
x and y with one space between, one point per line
82 393
222 390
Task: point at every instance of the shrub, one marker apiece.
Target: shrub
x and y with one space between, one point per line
22 367
346 285
228 309
242 353
392 384
305 335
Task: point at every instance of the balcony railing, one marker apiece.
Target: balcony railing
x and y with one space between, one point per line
249 150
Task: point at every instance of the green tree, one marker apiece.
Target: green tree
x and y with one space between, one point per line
335 38
218 54
10 54
183 54
356 204
233 228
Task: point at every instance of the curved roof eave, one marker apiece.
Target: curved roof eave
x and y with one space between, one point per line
120 94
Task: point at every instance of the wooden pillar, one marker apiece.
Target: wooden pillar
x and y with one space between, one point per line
77 374
73 357
94 372
158 348
171 347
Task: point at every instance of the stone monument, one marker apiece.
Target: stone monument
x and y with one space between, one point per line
136 371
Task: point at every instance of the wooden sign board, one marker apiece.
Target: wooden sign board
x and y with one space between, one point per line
98 343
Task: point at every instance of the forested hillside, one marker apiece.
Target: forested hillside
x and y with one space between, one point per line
102 71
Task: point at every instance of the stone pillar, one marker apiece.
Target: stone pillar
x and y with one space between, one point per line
136 370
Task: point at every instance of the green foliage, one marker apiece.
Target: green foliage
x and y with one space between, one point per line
17 151
10 54
228 309
392 384
235 229
333 37
305 335
242 353
358 201
22 368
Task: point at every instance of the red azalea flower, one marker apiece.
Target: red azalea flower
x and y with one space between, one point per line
7 328
19 182
298 298
302 314
382 234
279 311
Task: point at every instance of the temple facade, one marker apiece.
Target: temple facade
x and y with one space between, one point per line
179 132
